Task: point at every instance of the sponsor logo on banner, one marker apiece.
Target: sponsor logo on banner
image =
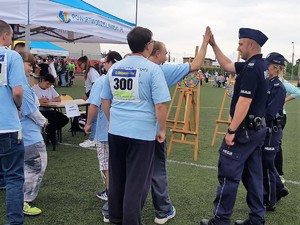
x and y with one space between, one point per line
96 22
63 17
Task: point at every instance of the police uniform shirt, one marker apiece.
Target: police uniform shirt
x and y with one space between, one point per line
276 98
251 82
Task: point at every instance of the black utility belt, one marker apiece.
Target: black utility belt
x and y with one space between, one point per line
253 123
277 122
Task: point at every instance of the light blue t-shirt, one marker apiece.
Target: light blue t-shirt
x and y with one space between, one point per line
12 67
30 130
135 118
95 99
290 89
175 72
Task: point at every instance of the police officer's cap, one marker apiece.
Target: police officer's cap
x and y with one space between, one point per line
255 35
275 58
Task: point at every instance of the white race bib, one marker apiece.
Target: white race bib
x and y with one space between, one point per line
3 69
124 84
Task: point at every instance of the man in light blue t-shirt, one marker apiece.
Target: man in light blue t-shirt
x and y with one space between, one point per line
164 210
134 97
12 77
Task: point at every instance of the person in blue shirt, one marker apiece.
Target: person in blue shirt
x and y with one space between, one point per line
164 210
293 93
35 149
12 77
134 98
282 191
274 121
95 110
101 135
240 151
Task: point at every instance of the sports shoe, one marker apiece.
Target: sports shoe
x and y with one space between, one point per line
2 187
282 179
106 219
87 144
31 211
171 214
102 195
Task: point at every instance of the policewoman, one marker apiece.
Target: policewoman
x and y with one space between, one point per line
274 120
240 152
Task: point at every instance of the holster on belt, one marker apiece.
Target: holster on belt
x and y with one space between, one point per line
253 123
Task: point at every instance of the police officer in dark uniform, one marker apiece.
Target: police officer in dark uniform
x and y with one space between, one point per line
240 152
274 120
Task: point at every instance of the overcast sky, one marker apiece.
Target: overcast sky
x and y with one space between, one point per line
180 24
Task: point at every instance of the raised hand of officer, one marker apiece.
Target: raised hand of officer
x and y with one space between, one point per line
212 41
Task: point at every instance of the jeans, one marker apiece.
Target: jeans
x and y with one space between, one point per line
63 80
12 166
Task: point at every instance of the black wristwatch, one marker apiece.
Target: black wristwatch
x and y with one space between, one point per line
229 131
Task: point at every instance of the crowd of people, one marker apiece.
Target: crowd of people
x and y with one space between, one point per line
126 122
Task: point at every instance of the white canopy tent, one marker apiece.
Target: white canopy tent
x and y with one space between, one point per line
63 21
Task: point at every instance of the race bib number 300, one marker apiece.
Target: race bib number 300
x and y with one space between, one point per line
3 69
125 85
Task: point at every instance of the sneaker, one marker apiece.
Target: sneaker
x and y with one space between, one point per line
2 187
87 144
102 195
31 211
282 179
106 219
171 214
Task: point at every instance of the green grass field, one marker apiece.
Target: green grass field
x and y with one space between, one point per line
67 195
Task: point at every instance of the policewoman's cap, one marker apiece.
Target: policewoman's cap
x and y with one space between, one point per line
275 58
255 35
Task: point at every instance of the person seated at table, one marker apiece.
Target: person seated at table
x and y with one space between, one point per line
46 93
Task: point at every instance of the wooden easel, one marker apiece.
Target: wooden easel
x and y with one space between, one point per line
220 121
182 126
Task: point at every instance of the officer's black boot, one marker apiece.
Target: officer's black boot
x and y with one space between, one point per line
207 222
282 193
